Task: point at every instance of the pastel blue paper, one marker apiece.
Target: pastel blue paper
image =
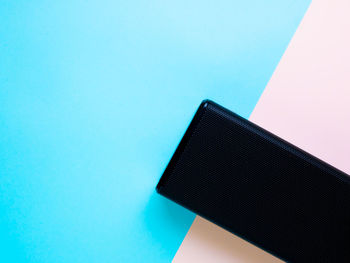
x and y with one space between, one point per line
94 98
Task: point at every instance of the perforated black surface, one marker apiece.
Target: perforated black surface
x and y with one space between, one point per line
260 187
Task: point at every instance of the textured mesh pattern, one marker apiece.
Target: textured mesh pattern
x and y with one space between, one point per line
261 188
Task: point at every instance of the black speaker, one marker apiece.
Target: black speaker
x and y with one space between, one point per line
260 187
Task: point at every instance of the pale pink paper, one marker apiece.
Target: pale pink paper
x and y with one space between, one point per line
306 102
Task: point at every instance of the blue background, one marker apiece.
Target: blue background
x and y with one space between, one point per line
94 98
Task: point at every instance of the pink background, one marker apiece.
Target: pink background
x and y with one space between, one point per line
306 102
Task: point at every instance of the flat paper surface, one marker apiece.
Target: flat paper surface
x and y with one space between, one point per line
307 103
95 96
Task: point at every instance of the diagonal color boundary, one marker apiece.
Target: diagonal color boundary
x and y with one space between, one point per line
305 102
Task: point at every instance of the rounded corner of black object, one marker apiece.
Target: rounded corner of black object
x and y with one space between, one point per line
183 142
205 103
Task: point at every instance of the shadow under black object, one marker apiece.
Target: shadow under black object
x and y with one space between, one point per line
260 187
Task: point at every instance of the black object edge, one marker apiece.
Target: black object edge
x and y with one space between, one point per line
182 145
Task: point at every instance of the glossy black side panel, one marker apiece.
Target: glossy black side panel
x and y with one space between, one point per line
260 187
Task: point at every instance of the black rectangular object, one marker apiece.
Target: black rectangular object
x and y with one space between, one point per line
260 187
